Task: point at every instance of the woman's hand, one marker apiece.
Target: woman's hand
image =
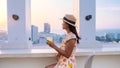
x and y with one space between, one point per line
51 44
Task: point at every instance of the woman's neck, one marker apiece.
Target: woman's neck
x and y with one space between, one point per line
68 31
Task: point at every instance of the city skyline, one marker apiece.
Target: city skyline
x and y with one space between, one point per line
107 13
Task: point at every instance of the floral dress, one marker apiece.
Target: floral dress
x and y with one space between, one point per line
64 62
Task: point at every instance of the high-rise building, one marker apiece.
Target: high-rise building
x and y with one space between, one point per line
34 34
42 40
110 36
46 27
118 36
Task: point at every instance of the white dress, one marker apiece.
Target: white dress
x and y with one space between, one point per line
70 62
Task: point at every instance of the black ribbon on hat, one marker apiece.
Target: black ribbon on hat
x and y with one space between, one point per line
72 22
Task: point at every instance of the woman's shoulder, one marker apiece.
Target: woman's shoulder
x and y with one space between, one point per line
70 36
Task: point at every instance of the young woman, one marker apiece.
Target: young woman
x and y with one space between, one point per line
66 52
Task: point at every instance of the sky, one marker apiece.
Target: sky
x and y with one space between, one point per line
50 11
107 14
3 22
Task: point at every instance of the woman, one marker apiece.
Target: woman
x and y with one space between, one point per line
66 52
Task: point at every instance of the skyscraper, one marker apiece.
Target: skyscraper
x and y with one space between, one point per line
110 37
118 36
34 34
46 27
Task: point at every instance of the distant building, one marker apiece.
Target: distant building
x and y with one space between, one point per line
110 37
42 40
55 37
34 34
43 35
100 38
3 36
2 33
118 36
47 28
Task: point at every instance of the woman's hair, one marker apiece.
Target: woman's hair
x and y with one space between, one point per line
73 30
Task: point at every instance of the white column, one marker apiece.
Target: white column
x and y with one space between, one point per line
84 10
19 23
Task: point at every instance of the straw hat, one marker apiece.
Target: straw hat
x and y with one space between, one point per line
70 19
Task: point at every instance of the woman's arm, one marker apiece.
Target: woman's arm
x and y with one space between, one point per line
68 48
57 56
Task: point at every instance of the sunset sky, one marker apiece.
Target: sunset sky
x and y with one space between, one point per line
50 11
